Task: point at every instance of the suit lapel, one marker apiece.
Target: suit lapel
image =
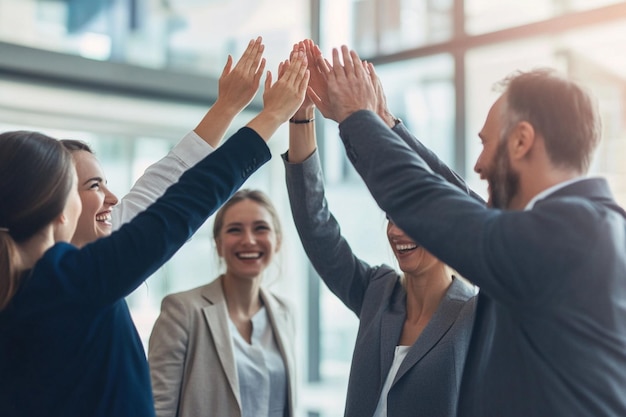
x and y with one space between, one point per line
442 320
283 333
216 316
391 324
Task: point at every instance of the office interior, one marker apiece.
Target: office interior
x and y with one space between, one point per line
131 77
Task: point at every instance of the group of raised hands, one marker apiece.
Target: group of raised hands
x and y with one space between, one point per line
305 80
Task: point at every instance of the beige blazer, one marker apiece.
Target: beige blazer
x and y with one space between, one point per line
192 363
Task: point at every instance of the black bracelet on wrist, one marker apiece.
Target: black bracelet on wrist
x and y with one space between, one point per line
302 121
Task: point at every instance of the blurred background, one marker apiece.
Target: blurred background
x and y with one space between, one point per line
131 77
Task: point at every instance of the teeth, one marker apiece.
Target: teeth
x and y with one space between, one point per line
103 218
249 255
406 246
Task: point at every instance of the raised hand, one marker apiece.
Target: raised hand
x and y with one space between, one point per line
318 86
307 108
239 85
350 87
381 109
283 98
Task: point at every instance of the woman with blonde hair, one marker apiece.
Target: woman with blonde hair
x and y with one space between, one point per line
226 348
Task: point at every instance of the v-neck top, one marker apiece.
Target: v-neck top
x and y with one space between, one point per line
261 370
398 356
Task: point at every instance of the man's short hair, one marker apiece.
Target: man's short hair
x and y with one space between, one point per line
560 110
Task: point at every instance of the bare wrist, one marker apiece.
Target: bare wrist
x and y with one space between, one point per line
226 108
305 114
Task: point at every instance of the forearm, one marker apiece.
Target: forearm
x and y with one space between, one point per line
265 124
216 121
144 244
320 234
438 166
159 176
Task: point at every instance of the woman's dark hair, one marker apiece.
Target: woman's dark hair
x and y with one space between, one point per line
74 145
36 177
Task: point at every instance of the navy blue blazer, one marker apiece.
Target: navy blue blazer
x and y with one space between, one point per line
427 382
68 346
550 332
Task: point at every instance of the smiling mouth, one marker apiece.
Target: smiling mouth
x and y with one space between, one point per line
249 255
104 218
405 247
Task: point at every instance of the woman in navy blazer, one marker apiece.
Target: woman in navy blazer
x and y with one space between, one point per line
68 346
414 327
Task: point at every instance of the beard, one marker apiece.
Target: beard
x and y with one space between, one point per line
503 181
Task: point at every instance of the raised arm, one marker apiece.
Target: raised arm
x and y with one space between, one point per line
437 165
237 87
119 263
330 254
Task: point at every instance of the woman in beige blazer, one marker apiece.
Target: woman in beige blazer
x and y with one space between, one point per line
226 348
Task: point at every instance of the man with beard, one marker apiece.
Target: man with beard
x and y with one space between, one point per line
548 251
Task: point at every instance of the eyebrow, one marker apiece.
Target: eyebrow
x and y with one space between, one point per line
254 223
98 179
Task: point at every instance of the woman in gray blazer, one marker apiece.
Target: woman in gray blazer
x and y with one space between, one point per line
414 327
226 348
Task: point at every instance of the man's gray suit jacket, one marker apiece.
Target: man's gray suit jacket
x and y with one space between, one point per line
550 332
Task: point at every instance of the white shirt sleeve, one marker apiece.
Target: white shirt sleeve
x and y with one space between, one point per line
159 176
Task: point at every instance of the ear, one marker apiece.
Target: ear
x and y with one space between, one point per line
218 247
521 140
59 226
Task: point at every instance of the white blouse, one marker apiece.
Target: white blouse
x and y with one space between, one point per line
261 370
398 357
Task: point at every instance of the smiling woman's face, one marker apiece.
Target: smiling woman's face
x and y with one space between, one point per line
97 200
412 258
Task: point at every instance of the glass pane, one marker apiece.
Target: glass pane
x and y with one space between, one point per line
483 16
421 93
578 5
385 26
185 35
592 55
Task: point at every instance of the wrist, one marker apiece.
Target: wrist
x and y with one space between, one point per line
304 114
225 108
297 121
389 119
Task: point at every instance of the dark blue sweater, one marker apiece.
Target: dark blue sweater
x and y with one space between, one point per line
68 346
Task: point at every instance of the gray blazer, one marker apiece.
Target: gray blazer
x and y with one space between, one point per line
428 379
550 332
192 363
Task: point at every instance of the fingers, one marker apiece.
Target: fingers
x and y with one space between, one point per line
259 72
337 67
281 69
317 101
360 69
228 66
370 70
268 80
296 68
348 63
252 58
